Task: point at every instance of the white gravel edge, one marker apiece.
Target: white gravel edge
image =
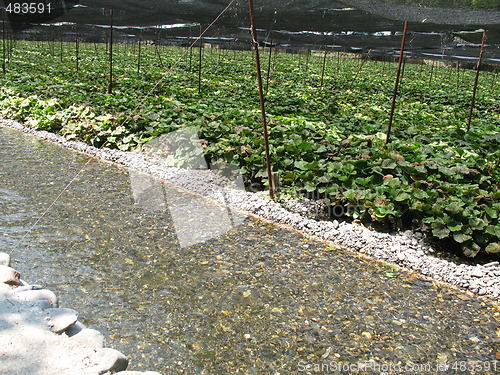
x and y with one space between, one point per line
406 249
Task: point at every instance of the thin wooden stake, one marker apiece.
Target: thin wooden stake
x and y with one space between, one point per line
4 67
61 49
360 68
432 72
396 84
403 68
261 98
269 66
139 56
159 56
476 80
323 68
110 85
494 76
190 57
77 49
308 55
200 59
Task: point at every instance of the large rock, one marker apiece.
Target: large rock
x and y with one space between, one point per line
109 360
5 259
35 295
9 275
89 338
60 319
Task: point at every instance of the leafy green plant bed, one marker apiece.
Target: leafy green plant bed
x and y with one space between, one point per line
325 140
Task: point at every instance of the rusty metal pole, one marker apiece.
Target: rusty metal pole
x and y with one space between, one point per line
261 97
474 91
396 84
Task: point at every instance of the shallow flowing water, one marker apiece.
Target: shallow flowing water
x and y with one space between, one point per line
248 298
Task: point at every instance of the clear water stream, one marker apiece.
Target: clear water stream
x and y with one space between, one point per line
255 299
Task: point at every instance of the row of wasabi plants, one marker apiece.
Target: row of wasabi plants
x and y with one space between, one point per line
326 139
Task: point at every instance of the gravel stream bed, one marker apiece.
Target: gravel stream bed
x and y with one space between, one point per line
407 249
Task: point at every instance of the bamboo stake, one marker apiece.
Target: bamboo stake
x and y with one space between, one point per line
396 84
261 98
476 80
110 85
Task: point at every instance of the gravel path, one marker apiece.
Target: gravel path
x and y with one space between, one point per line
407 249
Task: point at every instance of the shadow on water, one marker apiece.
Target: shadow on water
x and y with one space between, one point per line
255 298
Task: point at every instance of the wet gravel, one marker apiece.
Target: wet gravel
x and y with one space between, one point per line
255 298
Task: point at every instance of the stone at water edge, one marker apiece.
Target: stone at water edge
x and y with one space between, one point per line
89 338
9 275
43 304
137 373
75 329
5 259
108 359
35 295
60 319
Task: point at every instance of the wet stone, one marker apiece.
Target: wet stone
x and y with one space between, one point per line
4 259
37 295
59 319
109 360
74 329
89 338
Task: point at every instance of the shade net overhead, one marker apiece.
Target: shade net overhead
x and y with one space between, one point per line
437 29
